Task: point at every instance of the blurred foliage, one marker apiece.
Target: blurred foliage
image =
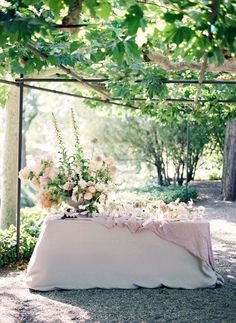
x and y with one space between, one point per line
27 195
215 176
161 145
167 194
31 221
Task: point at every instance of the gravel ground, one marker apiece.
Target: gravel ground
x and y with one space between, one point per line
18 304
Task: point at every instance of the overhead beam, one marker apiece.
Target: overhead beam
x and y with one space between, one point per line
101 80
111 101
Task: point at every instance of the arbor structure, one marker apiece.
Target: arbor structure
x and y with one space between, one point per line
134 45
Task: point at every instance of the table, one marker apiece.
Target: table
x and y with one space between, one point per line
82 254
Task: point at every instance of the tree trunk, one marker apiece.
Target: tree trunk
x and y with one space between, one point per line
158 165
229 169
10 163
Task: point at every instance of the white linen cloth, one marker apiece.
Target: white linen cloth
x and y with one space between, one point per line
81 254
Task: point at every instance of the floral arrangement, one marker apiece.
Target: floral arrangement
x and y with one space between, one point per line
81 183
147 208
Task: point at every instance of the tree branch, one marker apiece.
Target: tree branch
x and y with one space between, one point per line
229 66
69 71
212 19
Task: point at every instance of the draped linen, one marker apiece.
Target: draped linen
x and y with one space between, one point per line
82 253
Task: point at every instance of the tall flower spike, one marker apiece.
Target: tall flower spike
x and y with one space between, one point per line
63 152
76 135
75 127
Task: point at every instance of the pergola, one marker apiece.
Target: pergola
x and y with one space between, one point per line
22 82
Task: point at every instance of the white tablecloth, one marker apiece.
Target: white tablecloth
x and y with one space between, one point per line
81 254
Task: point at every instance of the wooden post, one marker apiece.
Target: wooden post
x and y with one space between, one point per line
229 169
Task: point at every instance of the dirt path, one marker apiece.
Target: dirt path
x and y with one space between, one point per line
17 304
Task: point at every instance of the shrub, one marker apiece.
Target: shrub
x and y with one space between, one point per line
214 177
169 193
173 193
31 221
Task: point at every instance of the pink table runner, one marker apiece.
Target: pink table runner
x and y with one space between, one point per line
193 236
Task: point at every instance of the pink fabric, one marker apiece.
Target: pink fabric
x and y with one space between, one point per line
193 236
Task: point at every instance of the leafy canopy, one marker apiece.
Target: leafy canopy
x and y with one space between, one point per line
115 43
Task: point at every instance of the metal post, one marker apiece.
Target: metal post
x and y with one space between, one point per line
187 156
21 86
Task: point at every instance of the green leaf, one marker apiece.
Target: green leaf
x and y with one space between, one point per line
218 55
30 2
74 46
118 53
100 8
98 56
91 5
171 17
104 10
134 19
181 34
132 50
56 6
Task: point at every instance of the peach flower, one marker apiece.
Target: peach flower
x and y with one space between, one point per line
45 199
67 186
35 182
91 189
44 180
112 169
52 172
88 196
110 160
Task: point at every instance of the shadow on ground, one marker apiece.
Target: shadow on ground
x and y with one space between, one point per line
152 305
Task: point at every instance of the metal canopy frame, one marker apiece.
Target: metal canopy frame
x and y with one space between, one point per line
21 83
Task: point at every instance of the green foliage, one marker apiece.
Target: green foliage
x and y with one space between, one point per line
31 222
171 194
176 29
168 193
155 86
215 176
27 196
134 19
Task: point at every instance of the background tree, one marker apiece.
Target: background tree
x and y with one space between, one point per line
229 171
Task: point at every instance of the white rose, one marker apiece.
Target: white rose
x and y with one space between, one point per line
82 184
24 174
37 168
100 187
